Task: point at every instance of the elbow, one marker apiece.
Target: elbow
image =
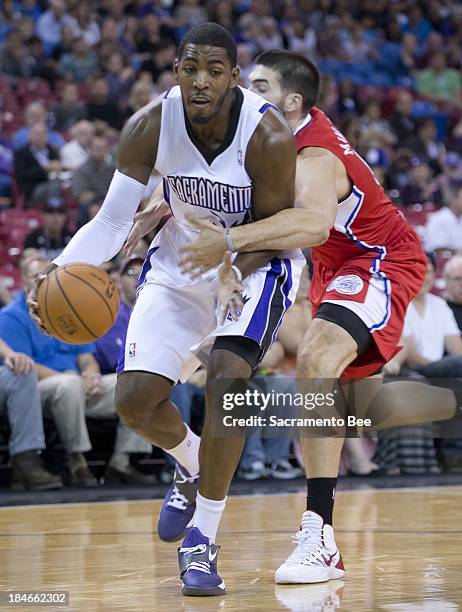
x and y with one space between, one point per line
320 236
316 232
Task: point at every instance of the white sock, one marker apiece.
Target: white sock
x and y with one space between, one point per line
208 516
186 453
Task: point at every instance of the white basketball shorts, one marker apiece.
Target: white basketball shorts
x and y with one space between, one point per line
172 329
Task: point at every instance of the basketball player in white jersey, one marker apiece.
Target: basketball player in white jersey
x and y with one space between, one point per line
226 155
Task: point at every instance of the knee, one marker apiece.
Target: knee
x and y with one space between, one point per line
225 364
24 381
315 359
138 397
70 385
322 354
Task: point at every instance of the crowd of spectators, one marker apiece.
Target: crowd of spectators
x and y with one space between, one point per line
72 72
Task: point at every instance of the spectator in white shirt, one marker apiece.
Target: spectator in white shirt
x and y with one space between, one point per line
77 150
453 278
431 336
444 228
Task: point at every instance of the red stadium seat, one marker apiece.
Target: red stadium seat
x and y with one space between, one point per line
29 90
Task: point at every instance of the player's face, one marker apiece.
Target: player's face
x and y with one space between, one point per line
265 81
206 77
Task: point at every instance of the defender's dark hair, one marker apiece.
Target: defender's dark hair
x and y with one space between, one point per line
212 35
296 74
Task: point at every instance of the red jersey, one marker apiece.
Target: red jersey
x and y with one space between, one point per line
372 263
366 221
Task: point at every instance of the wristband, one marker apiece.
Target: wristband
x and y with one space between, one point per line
229 241
238 273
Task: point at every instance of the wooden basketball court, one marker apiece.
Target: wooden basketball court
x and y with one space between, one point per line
402 550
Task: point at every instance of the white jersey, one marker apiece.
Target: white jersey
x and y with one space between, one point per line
217 189
174 318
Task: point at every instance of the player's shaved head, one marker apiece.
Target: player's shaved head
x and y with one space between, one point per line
296 74
211 35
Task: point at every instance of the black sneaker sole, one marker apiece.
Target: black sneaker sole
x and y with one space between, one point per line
202 592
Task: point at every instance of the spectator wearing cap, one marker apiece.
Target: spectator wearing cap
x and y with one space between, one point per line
34 113
51 239
70 383
444 228
77 151
453 278
34 162
19 396
109 347
92 179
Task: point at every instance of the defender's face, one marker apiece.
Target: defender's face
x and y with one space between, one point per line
265 82
205 76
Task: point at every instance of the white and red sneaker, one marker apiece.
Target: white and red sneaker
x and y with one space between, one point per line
316 558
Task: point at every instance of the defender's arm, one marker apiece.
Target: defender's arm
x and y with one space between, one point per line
310 222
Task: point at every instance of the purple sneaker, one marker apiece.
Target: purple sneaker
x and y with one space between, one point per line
198 566
178 507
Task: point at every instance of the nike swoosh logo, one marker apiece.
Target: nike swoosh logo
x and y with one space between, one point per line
212 557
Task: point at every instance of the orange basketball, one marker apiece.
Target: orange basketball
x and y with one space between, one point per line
78 303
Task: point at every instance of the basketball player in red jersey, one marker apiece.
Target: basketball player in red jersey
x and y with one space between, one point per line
368 266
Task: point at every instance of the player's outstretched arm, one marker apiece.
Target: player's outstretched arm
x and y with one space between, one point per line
103 237
147 219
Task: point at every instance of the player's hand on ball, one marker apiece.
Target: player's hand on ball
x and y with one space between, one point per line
229 295
206 251
19 363
32 302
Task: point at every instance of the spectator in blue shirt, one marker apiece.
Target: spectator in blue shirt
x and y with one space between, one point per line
70 383
19 395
